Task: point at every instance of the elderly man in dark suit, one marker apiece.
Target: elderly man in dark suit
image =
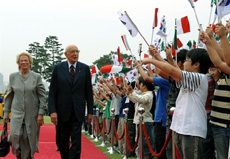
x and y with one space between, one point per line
70 90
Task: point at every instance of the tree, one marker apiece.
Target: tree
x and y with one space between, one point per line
107 59
54 55
46 56
37 52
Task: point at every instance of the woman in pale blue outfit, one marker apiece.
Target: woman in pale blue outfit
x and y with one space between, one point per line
27 103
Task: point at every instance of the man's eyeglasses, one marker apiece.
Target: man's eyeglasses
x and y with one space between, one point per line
74 51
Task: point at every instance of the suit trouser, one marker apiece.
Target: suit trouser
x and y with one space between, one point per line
71 128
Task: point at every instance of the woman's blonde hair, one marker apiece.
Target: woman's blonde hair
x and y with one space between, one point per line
24 54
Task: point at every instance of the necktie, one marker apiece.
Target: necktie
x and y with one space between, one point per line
72 73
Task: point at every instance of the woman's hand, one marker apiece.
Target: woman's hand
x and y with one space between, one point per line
5 120
40 120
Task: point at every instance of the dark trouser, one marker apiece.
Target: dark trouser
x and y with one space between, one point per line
169 146
190 147
160 132
208 144
57 136
71 128
132 134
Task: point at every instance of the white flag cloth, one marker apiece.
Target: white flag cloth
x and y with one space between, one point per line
128 23
131 75
224 9
192 3
115 60
162 30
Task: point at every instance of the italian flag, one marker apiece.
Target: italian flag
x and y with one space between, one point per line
94 69
194 44
179 43
183 25
188 45
114 69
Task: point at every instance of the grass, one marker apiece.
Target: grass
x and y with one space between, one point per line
105 149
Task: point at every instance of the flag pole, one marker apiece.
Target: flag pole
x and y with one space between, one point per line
176 39
197 20
137 28
152 36
210 13
131 53
198 39
218 12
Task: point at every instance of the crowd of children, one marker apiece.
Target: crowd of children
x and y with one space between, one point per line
196 83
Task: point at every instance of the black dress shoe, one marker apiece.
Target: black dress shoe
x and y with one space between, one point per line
58 149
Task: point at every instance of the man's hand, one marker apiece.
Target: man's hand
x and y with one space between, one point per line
89 118
54 119
40 120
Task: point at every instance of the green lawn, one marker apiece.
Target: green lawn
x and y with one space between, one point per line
104 149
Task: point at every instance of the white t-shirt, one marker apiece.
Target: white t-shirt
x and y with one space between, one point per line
190 117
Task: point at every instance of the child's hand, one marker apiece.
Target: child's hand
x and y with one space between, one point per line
168 51
209 31
220 30
228 26
204 37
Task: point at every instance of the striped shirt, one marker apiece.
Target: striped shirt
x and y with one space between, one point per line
220 114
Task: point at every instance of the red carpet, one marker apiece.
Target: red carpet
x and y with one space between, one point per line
47 146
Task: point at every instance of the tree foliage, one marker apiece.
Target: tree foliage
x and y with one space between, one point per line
46 56
107 59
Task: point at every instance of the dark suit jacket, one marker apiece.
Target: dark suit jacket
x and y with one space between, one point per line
64 96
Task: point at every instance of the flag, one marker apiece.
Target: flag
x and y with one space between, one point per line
115 60
116 79
179 43
124 18
146 55
93 78
140 49
192 3
94 69
162 46
173 50
188 45
114 69
224 8
162 30
183 25
124 40
130 61
155 18
120 59
132 75
174 45
194 44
